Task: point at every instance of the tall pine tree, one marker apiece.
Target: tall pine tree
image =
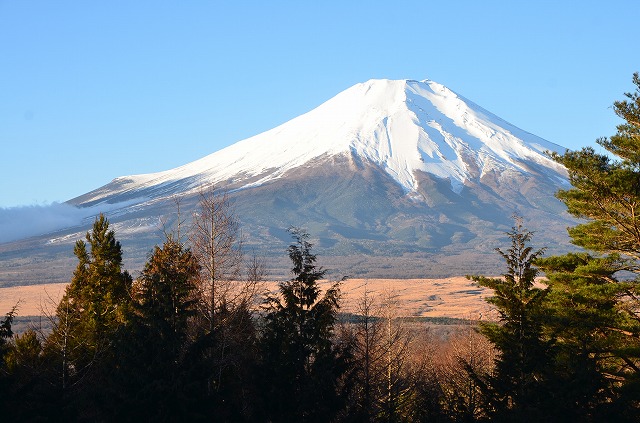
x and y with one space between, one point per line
95 308
301 366
517 388
100 289
606 192
606 187
589 333
150 379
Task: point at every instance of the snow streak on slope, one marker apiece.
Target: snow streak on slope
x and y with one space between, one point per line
403 126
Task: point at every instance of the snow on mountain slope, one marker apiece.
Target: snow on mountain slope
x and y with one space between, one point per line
392 178
403 126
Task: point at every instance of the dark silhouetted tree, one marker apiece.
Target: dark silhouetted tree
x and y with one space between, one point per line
6 334
516 390
224 354
590 334
150 379
301 367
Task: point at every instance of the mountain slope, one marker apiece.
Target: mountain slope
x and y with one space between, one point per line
401 126
392 179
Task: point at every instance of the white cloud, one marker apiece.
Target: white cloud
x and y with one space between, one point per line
26 221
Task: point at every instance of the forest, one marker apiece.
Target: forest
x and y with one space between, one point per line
195 337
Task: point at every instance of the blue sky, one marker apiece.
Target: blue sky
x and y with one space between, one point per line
94 90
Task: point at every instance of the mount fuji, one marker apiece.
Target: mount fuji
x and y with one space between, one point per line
392 178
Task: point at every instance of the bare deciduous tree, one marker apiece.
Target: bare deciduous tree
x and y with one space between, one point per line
62 342
465 359
226 295
381 343
399 377
216 241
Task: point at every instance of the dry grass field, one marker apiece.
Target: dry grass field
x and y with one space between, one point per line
31 299
454 297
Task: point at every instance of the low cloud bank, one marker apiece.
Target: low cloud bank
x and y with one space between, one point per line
26 221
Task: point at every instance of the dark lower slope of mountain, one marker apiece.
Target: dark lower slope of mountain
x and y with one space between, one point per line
361 220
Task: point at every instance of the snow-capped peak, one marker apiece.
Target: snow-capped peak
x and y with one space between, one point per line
404 126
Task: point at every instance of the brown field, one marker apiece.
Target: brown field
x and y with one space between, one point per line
31 299
454 297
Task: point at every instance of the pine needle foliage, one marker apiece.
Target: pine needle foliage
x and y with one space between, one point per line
516 389
606 187
300 359
597 313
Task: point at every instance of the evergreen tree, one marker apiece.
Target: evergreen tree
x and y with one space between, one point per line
301 366
100 290
150 377
30 394
591 348
606 192
165 294
95 308
517 388
606 189
6 334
